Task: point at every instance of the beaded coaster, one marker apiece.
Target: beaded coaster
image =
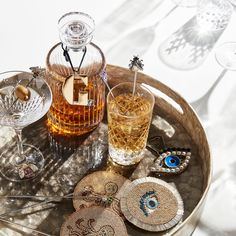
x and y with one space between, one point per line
101 188
152 204
171 161
93 221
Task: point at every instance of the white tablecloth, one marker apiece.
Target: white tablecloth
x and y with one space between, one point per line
28 29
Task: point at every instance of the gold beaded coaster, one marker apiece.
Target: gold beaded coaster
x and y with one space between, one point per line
152 204
101 188
94 221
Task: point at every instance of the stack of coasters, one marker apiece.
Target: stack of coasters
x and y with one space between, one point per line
94 221
103 200
152 204
101 188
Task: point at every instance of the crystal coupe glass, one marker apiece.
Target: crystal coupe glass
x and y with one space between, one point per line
24 98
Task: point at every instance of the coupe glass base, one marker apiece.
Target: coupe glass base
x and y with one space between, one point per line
25 170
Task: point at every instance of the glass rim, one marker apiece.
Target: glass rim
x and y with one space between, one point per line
220 48
15 71
49 65
142 87
49 102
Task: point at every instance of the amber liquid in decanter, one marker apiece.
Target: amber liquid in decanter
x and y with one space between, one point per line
73 73
65 118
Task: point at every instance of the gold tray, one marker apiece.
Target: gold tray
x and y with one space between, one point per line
68 160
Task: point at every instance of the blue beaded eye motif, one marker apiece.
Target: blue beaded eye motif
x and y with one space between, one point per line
149 202
171 161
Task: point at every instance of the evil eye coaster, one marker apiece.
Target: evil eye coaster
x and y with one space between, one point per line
152 204
101 188
171 161
93 221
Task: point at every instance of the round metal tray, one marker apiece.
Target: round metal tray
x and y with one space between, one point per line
69 159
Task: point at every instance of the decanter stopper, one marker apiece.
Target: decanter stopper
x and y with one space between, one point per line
76 30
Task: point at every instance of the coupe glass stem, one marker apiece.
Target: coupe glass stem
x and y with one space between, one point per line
21 156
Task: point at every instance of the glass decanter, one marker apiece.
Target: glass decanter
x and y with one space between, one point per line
74 68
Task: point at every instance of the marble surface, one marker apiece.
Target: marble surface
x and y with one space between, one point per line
28 30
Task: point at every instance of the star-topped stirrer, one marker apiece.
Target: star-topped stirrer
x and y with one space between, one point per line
135 65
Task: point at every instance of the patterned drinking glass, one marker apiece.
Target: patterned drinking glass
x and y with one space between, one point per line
129 118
